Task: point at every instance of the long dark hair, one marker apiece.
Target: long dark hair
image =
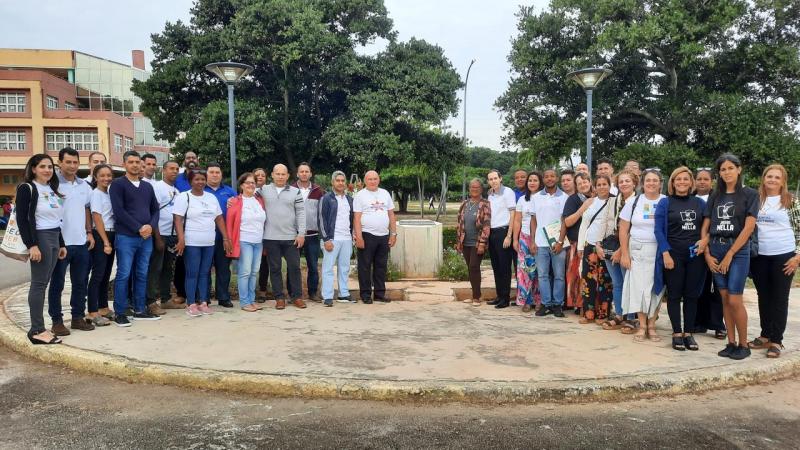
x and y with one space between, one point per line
541 184
721 186
96 170
33 162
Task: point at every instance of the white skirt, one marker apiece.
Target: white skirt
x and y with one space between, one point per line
637 291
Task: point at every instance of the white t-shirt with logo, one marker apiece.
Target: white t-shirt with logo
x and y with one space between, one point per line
251 228
643 220
374 207
775 233
502 203
525 207
165 196
77 197
49 208
199 213
548 209
101 204
341 229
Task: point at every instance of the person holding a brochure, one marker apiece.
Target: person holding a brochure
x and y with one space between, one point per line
549 244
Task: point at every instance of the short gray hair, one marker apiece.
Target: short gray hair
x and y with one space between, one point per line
336 173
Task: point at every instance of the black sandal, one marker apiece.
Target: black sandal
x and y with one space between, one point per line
719 334
774 351
690 343
677 343
36 341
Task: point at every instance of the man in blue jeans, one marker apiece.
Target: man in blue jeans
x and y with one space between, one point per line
77 231
221 263
548 206
312 194
136 216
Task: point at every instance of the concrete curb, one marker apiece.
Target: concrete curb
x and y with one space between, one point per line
753 370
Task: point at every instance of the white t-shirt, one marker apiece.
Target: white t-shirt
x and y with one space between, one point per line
199 213
643 220
775 234
165 196
374 207
77 197
101 204
251 228
547 208
149 180
525 207
502 203
341 230
49 208
594 232
703 197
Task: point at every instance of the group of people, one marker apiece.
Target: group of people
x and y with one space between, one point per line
172 232
612 246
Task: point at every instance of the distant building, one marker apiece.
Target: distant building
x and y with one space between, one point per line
50 99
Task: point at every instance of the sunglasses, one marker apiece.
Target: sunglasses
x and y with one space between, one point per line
652 169
703 169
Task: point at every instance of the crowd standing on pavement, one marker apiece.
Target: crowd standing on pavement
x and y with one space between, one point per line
609 247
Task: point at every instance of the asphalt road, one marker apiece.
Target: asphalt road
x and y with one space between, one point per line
50 407
13 272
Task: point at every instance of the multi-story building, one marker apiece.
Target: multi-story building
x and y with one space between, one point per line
50 99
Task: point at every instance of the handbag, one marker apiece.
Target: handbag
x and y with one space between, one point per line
610 243
12 245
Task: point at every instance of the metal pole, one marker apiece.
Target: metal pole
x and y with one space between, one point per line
232 135
464 177
589 128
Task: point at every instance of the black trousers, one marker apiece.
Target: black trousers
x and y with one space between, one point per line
502 260
473 260
709 307
276 252
684 283
263 273
372 264
179 279
773 287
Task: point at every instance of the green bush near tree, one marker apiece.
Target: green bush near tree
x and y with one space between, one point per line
449 238
453 267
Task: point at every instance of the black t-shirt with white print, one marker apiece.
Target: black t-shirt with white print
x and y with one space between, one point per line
729 211
684 220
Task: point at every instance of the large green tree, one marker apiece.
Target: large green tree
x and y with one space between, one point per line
308 77
692 79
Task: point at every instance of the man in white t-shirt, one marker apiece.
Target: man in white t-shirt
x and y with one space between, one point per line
95 159
548 206
77 231
149 166
503 203
336 230
162 260
375 231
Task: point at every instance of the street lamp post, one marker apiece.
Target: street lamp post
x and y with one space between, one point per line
464 137
588 79
230 73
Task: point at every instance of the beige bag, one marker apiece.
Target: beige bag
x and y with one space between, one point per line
12 245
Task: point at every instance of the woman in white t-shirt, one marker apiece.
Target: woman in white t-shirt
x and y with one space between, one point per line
103 250
597 289
197 213
245 222
778 226
639 247
527 278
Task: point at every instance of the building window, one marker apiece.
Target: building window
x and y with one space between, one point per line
13 102
128 144
52 102
69 106
11 179
79 140
118 143
12 140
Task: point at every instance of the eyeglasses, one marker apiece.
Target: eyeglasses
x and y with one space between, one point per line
653 169
248 182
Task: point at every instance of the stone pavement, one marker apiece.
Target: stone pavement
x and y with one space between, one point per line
426 347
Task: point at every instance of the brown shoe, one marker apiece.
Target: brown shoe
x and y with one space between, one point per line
155 309
80 324
60 330
316 298
526 308
172 304
298 302
281 304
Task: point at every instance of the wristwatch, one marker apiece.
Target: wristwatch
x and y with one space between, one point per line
393 233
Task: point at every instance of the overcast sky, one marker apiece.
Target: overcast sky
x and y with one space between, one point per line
465 29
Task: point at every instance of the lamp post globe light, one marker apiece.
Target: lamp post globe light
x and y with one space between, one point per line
588 79
230 73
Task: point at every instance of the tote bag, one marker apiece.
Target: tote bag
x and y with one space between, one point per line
12 245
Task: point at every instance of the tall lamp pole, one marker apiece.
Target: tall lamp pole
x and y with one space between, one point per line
588 79
230 73
464 137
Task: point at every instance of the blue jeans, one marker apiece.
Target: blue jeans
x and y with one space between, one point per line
545 259
197 261
133 257
79 261
222 273
339 257
734 280
617 273
247 271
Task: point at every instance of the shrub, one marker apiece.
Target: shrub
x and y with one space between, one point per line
393 273
449 238
453 267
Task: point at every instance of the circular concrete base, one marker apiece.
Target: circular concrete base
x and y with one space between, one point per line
428 348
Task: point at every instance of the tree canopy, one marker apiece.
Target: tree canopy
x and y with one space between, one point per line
312 96
692 79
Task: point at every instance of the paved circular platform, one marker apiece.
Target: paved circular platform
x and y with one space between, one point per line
427 347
